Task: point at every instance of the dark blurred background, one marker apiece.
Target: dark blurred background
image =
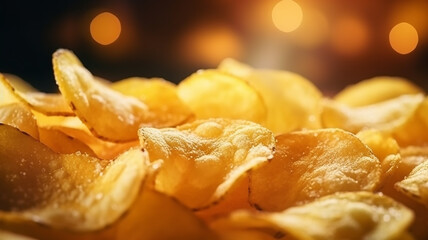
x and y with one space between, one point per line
333 43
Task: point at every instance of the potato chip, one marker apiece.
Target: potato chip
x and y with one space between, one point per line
160 96
19 116
352 215
12 236
7 95
203 159
375 90
385 148
73 192
388 115
19 83
292 101
415 185
156 216
62 143
410 134
213 93
49 104
234 199
78 132
109 114
410 158
311 164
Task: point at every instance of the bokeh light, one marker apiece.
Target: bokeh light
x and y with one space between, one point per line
350 36
105 28
314 28
287 15
208 44
403 38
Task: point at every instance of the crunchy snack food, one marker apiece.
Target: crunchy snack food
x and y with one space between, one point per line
228 153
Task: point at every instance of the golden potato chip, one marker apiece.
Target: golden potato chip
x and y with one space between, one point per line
213 93
160 96
241 223
156 216
19 116
49 104
234 199
109 114
203 159
375 90
388 115
7 95
292 101
351 215
78 132
410 158
311 164
74 192
62 143
19 83
415 185
385 148
410 134
12 236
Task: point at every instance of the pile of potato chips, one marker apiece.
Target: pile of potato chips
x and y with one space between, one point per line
228 153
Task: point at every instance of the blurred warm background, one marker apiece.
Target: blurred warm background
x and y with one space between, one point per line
333 43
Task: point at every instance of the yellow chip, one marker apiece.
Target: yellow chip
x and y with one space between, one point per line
74 192
62 143
156 216
385 148
411 133
353 215
388 115
292 101
47 103
19 83
416 184
311 164
78 132
348 215
203 159
375 90
213 93
20 116
160 96
109 114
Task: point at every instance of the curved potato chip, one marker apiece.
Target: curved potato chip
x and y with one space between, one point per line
47 103
203 159
75 192
13 236
156 216
109 114
409 134
388 115
19 116
62 143
75 129
352 215
415 185
7 96
385 148
375 90
348 215
213 93
19 83
236 198
292 101
160 96
311 164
